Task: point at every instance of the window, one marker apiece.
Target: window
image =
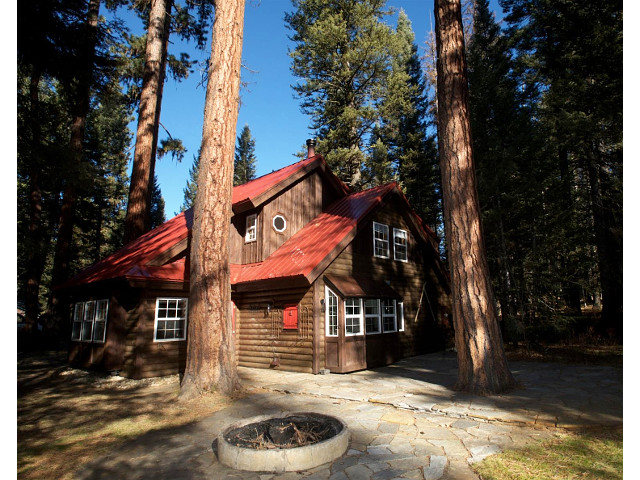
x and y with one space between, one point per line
251 230
331 313
90 321
279 223
77 321
100 322
353 316
400 316
388 315
87 321
171 319
372 315
380 240
400 244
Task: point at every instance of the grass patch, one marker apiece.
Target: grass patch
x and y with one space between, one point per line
67 417
593 455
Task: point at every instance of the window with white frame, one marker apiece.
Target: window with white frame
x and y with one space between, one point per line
400 245
372 315
171 319
251 229
331 313
100 321
353 316
380 240
388 315
400 316
90 321
279 223
76 327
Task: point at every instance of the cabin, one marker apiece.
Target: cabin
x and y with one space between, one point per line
322 279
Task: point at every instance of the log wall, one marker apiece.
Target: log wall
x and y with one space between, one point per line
424 314
260 336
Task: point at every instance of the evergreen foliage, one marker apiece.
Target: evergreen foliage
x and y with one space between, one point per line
192 184
342 55
157 205
244 165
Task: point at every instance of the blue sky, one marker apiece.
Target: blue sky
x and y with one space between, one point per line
268 104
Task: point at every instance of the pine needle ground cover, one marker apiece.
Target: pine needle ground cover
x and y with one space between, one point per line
67 417
593 455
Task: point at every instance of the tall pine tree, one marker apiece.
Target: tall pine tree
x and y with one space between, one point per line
244 164
571 57
342 56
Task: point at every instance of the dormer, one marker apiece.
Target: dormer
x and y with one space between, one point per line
271 209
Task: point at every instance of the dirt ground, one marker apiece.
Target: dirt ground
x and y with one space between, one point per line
68 416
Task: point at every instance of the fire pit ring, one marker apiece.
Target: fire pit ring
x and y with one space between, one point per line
269 443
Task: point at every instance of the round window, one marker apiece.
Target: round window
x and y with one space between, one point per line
279 223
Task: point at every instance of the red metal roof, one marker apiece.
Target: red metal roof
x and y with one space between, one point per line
132 259
305 250
319 241
259 185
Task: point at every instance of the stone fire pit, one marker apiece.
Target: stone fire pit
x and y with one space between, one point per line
286 443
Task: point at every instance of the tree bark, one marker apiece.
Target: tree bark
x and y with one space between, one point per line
138 218
60 271
37 246
211 362
609 260
482 365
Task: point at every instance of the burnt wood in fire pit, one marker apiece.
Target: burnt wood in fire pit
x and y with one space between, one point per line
285 443
288 432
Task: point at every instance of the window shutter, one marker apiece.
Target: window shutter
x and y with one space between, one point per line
291 317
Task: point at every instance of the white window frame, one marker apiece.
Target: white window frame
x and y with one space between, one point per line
400 316
395 319
382 240
349 316
175 318
251 228
86 315
273 223
101 315
328 295
376 316
406 245
78 313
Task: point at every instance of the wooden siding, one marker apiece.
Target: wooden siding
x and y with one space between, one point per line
154 359
299 204
424 315
109 355
260 337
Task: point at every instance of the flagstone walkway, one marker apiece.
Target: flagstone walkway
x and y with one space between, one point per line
404 420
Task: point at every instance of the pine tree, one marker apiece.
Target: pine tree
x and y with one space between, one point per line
404 128
192 184
499 126
157 205
211 360
571 57
164 17
482 365
342 56
244 165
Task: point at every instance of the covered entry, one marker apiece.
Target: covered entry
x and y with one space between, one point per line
355 307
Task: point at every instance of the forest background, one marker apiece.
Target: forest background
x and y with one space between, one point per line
546 101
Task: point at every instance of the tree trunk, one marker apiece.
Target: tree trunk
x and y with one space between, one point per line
60 271
138 218
211 362
482 365
609 262
37 247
